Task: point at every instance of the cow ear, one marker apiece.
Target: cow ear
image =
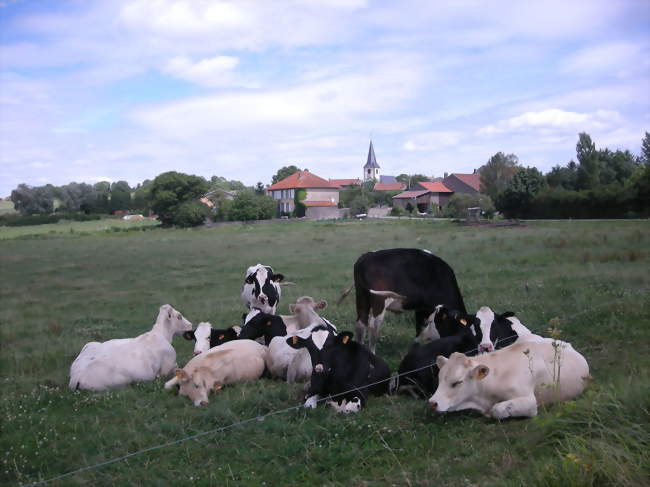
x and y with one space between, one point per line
441 361
221 336
292 308
217 386
278 277
479 372
463 321
296 342
322 304
345 337
189 335
182 375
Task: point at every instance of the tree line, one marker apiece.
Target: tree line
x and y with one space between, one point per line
601 184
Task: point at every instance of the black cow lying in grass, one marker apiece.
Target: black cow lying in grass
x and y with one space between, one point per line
418 372
343 369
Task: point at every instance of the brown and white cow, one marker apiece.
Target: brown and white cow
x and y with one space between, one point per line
510 382
233 362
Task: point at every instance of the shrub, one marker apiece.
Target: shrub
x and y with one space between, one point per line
397 211
169 190
458 204
190 214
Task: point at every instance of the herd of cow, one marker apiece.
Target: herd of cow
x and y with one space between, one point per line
487 362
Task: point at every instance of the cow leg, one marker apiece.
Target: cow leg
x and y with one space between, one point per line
523 406
312 401
377 312
363 310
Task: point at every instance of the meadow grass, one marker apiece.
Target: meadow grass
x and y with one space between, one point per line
59 291
6 207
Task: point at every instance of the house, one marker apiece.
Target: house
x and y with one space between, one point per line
396 186
463 183
321 196
345 183
424 196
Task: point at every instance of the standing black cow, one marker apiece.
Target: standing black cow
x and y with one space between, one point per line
401 280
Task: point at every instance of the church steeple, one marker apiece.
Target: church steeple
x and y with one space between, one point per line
371 169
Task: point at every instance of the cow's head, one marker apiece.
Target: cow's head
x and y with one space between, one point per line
457 384
491 327
197 385
172 320
306 309
262 288
444 322
207 337
263 324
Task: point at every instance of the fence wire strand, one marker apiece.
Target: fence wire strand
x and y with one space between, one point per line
262 417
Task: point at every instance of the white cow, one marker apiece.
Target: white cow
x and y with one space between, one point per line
119 362
512 381
233 362
207 337
261 288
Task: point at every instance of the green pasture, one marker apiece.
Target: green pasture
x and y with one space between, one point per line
63 286
6 207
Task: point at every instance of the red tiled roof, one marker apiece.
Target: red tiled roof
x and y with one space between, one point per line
411 194
319 203
434 187
345 182
302 179
390 186
473 180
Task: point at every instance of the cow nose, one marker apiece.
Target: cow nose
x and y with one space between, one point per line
434 406
486 347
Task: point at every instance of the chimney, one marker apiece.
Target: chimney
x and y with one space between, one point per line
445 176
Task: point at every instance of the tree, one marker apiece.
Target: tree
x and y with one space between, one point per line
75 195
588 174
141 196
617 166
459 202
284 172
563 177
523 187
249 206
411 180
172 188
259 188
645 149
120 196
29 200
497 173
299 208
218 182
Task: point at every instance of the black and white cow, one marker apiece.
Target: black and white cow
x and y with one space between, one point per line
207 337
343 369
401 280
496 331
418 372
261 288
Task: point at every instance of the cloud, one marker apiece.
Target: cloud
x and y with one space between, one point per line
210 72
612 58
431 141
553 119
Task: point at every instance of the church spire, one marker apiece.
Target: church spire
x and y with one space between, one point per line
372 160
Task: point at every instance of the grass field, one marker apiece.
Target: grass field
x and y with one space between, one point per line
6 207
59 291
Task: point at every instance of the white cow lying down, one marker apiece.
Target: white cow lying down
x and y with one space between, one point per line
119 362
512 381
229 363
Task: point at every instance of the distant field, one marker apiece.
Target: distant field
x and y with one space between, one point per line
86 282
6 207
70 227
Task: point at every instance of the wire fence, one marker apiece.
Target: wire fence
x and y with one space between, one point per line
262 417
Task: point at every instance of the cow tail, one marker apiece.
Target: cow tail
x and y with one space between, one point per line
345 294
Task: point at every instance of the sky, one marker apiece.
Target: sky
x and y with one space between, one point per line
125 90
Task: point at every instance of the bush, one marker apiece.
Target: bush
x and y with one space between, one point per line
459 202
190 214
397 211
